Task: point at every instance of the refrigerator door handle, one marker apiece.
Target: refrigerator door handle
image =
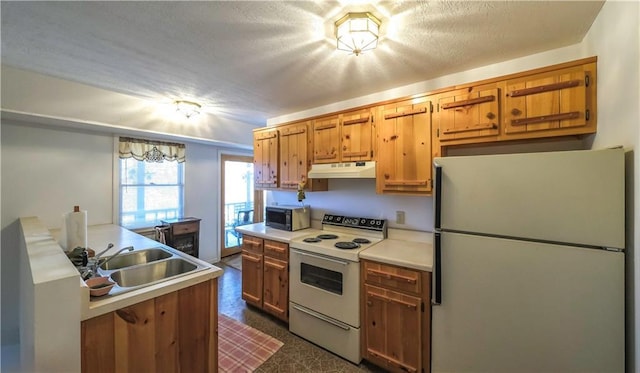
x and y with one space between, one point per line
437 196
436 298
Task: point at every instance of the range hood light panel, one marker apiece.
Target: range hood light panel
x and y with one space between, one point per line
348 170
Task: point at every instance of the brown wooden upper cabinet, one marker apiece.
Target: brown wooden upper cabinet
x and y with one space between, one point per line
403 141
265 158
469 114
552 103
345 137
326 139
356 136
295 157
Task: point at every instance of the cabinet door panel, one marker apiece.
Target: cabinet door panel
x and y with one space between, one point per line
293 155
98 344
134 335
252 278
265 158
357 144
469 115
393 324
276 287
548 102
326 140
404 146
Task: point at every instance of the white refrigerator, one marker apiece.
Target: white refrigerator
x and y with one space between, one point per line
529 263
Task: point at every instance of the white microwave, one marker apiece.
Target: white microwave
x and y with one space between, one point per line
288 218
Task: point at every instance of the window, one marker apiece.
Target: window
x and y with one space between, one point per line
151 184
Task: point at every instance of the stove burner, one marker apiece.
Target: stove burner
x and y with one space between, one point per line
361 240
346 245
327 236
312 239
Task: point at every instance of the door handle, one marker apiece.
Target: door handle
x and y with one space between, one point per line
437 197
437 269
322 317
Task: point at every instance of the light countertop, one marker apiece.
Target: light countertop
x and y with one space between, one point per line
395 250
262 231
99 236
416 255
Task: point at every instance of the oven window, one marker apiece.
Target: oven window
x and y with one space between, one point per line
321 278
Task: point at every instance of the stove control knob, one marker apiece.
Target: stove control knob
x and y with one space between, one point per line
379 222
363 221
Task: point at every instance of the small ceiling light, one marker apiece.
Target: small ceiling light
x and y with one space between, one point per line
357 32
187 108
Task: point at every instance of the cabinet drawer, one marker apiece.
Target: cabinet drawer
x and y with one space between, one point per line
393 277
185 228
276 249
253 244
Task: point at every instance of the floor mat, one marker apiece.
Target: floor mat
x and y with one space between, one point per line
242 348
234 261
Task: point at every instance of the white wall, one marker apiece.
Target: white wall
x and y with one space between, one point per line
45 173
359 198
48 170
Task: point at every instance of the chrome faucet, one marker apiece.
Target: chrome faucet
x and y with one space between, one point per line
109 246
97 260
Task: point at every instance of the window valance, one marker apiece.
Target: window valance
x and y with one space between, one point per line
151 151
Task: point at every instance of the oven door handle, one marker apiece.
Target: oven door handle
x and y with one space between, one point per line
322 317
322 257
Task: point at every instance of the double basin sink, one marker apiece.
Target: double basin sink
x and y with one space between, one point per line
146 267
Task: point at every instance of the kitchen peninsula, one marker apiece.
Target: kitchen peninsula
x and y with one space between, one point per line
60 319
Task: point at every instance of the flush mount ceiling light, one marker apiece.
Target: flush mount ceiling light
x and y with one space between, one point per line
357 32
187 108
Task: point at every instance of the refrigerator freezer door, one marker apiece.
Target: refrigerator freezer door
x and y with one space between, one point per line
569 197
521 306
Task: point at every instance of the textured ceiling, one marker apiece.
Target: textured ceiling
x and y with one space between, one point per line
252 61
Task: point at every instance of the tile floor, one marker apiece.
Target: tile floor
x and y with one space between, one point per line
296 355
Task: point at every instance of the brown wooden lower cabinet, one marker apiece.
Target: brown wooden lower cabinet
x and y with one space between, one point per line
265 275
176 332
396 317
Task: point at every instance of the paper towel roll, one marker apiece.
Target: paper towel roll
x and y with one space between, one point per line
75 225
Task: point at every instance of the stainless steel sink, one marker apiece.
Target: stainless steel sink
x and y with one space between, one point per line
140 268
152 272
135 258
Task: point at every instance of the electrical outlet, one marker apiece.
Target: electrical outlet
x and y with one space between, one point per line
399 217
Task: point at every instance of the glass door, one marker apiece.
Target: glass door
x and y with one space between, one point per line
242 205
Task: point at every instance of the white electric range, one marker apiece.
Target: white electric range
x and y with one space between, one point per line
324 282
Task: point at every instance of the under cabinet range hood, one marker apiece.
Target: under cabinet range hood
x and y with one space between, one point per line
347 170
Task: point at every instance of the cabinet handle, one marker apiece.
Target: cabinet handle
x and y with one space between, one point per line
405 182
293 132
278 249
356 121
251 258
355 154
545 88
266 136
391 276
391 300
406 113
279 267
391 360
473 101
490 126
325 156
545 118
265 181
325 126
